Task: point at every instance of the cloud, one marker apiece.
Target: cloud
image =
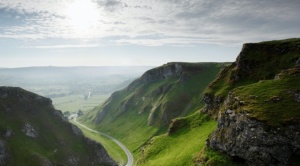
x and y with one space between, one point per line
110 5
63 46
176 22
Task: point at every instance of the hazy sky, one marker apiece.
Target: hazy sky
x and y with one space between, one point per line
138 32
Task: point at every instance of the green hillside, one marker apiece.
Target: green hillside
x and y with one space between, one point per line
148 105
185 138
33 133
249 114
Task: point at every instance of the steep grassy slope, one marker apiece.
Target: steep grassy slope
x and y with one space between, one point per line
33 133
185 138
148 105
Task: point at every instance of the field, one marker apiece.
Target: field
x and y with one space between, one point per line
72 88
73 103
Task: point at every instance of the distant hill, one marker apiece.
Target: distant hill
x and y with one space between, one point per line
33 133
70 72
62 81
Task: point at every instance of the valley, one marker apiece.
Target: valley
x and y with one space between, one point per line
149 83
240 113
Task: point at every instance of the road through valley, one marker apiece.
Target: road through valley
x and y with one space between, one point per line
128 153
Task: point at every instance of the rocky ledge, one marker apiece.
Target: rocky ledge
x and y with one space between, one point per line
255 142
173 69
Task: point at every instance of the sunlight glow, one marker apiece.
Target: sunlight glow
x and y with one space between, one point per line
82 15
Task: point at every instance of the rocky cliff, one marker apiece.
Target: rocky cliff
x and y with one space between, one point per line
255 101
154 93
169 70
256 61
32 132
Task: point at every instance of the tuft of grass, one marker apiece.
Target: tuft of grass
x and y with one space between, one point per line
210 157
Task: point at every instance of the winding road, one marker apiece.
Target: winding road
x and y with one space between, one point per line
128 153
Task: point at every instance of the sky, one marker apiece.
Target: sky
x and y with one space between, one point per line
138 32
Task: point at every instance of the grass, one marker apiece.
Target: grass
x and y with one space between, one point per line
111 147
263 108
180 147
210 157
73 103
132 133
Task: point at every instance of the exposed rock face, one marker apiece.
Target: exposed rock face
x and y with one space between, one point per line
102 113
29 131
298 63
175 69
102 156
148 101
166 71
248 65
76 130
212 103
3 154
46 162
297 97
73 160
8 133
254 141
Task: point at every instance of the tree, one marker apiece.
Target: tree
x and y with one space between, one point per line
79 113
66 114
